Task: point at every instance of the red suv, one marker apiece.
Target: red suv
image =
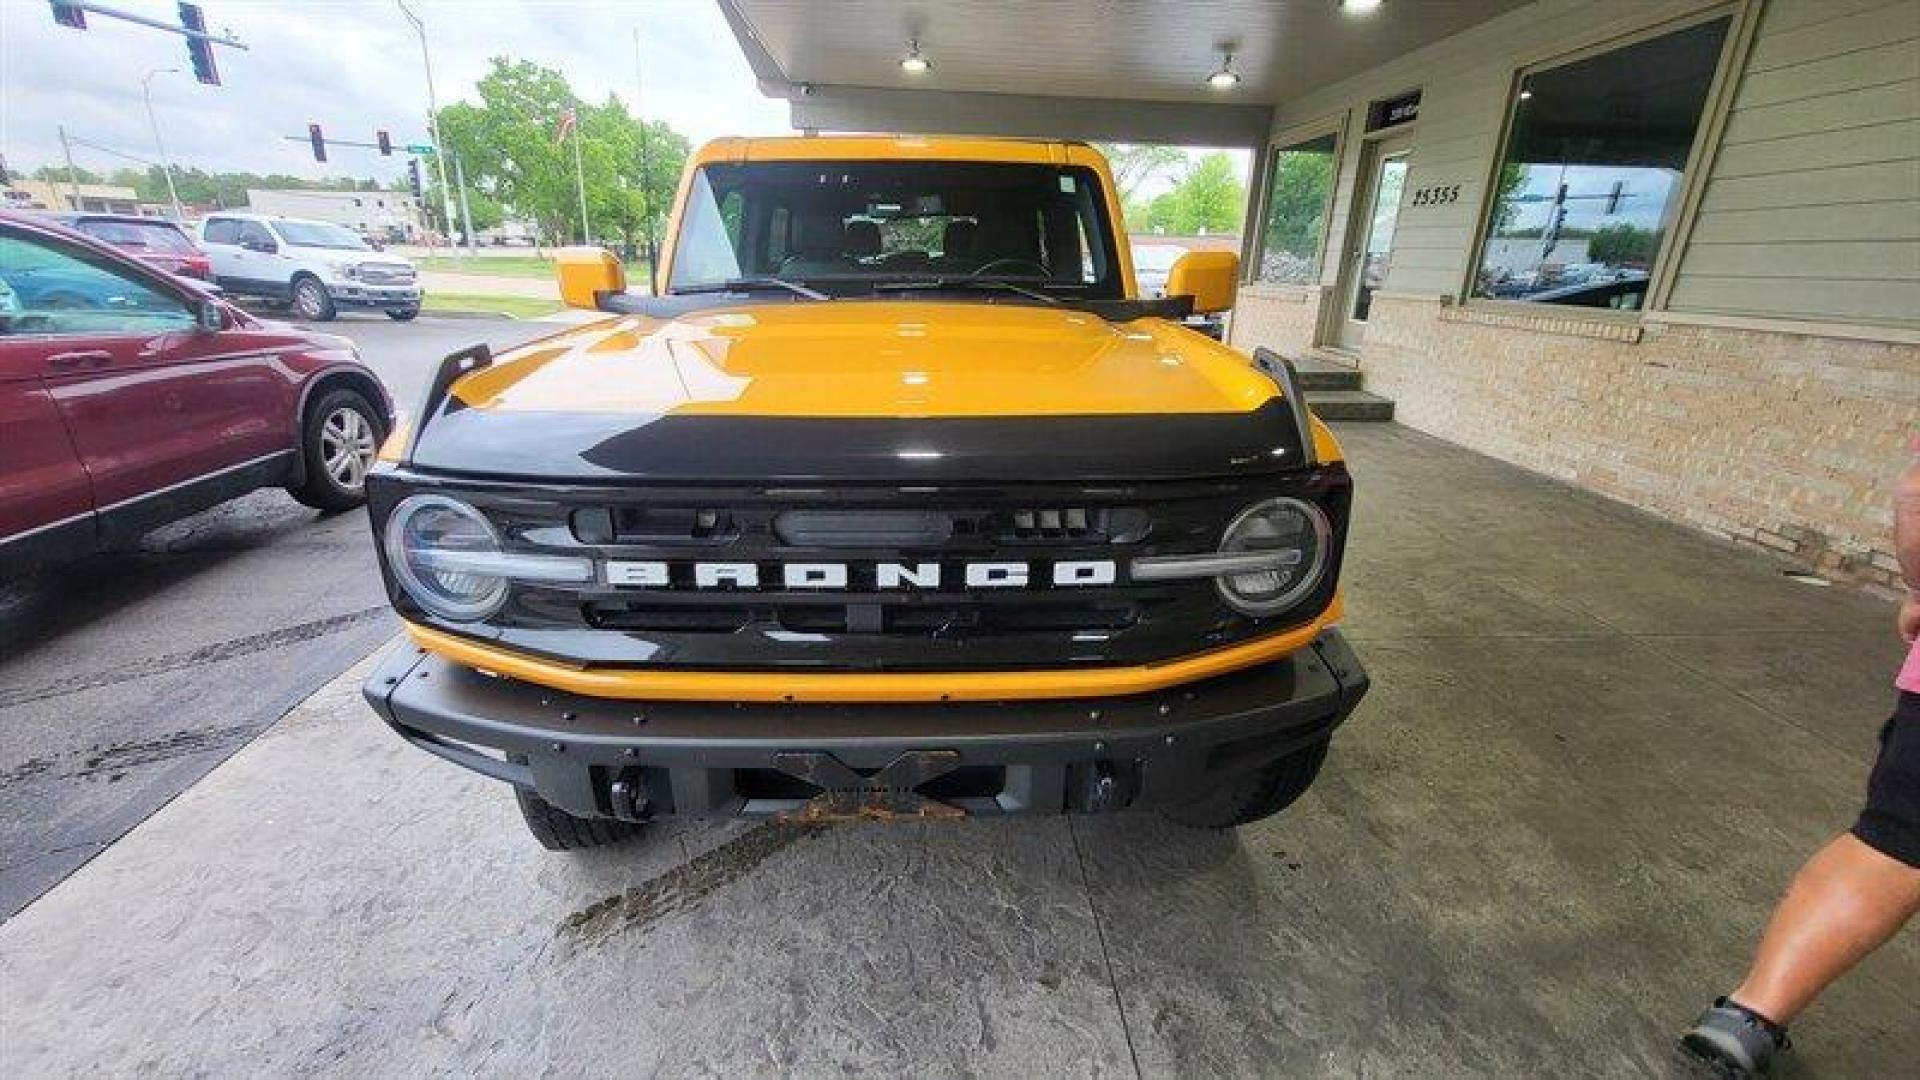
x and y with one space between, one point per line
129 397
154 241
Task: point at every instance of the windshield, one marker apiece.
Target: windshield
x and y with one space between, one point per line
138 235
845 227
318 234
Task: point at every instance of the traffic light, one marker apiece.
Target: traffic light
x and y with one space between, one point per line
385 141
199 49
70 15
319 142
413 178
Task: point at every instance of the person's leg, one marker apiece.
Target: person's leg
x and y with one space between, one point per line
1846 901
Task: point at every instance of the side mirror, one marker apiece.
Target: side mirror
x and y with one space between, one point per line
209 316
1212 278
586 274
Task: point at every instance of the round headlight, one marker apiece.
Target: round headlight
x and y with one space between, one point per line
432 542
1292 529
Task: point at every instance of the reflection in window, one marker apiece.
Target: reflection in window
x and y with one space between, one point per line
1298 188
1592 171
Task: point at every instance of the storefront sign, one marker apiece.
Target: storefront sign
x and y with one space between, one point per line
1393 112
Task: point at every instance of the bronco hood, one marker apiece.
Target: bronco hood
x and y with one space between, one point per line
894 392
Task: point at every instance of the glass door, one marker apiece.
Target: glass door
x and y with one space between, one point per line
1370 256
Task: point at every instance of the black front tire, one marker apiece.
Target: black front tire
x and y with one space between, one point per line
403 314
338 421
312 301
558 830
1260 793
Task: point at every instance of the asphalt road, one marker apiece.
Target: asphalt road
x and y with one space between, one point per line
126 677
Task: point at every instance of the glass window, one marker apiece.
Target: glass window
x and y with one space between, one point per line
137 235
1592 171
221 231
252 232
843 227
319 234
1299 188
49 288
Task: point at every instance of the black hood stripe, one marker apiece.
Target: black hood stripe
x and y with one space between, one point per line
700 449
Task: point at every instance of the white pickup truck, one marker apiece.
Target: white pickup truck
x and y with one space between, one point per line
316 266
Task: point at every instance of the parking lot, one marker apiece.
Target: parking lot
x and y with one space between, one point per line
127 676
1596 745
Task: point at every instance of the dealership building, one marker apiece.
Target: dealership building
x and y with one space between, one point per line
1664 250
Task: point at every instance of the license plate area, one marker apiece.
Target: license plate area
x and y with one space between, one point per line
891 793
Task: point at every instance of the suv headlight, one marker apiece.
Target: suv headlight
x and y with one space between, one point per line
447 557
1271 556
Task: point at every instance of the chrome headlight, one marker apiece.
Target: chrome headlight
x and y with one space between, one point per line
1271 556
447 557
1293 535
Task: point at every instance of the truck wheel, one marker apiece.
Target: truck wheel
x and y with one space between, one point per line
558 830
403 314
339 437
311 300
1261 793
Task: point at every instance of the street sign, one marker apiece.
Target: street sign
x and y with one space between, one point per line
419 148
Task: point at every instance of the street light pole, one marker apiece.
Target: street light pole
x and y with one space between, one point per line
433 114
166 167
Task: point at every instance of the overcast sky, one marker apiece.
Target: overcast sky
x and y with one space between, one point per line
351 66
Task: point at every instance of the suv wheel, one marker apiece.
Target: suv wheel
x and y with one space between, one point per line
339 438
1261 793
311 299
558 830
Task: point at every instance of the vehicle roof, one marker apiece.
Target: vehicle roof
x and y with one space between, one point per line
898 148
68 217
248 215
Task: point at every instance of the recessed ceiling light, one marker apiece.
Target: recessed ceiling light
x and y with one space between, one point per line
913 63
1359 7
1226 78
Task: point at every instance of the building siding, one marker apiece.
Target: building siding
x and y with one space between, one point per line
1824 137
1771 401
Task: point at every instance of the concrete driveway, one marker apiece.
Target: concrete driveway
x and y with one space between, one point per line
1596 747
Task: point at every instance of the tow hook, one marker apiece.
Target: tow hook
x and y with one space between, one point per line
628 793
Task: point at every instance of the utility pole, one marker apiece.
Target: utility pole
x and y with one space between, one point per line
166 167
466 219
73 178
646 196
433 112
580 178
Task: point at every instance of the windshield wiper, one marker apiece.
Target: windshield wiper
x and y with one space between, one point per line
750 284
993 284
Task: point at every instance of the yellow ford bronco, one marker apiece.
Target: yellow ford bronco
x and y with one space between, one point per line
895 500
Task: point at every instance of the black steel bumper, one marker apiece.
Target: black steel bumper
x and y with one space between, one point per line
637 760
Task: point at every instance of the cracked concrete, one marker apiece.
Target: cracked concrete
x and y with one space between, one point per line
1596 748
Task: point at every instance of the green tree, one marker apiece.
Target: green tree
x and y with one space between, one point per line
1297 203
507 142
59 174
1623 245
1209 199
1135 163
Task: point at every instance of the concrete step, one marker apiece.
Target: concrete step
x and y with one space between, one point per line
1350 405
1318 374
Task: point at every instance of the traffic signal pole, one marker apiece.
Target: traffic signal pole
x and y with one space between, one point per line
433 113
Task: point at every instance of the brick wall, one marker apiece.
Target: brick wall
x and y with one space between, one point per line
1786 441
1281 317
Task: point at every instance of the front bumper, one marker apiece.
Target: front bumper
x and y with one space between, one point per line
354 294
639 760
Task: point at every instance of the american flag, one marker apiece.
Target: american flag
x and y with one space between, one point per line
566 126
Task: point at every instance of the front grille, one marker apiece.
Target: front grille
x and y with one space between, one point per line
935 620
386 274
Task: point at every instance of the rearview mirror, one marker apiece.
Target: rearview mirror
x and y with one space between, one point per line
1212 278
586 274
